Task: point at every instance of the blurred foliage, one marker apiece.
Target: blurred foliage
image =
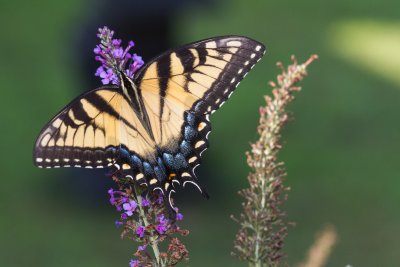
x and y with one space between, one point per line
341 150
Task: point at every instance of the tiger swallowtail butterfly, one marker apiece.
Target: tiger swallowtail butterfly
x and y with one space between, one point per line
154 127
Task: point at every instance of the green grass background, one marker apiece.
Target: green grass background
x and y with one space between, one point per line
341 149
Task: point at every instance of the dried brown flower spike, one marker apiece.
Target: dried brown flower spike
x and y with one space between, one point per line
263 227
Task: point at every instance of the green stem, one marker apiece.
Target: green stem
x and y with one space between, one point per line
153 239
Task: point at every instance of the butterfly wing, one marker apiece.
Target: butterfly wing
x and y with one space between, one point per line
196 78
181 87
90 131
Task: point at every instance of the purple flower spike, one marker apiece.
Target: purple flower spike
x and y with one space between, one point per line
114 58
129 207
140 231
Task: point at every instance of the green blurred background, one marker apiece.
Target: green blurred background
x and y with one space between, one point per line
341 149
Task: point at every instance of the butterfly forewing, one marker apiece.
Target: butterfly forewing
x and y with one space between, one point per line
89 130
203 74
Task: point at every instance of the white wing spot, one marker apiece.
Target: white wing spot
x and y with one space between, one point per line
240 71
211 45
47 160
233 80
246 63
234 43
139 176
253 55
39 160
258 48
207 134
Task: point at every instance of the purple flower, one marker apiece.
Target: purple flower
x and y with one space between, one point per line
179 216
116 42
138 60
97 49
141 248
118 223
129 207
145 202
140 231
160 199
161 229
124 216
118 52
98 71
108 76
133 263
162 220
110 191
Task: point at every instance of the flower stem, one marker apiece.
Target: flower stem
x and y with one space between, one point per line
153 239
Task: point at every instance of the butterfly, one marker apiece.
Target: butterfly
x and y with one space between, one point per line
154 127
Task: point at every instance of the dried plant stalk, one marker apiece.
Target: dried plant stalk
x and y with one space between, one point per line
262 226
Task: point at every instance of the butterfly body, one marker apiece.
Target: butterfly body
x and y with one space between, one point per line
152 128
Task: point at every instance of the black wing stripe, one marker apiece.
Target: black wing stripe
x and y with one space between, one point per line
163 69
